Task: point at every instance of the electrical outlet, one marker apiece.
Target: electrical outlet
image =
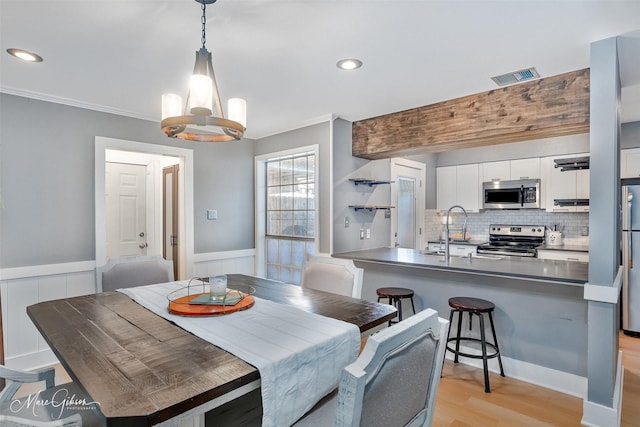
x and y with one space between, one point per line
362 234
585 231
368 233
212 214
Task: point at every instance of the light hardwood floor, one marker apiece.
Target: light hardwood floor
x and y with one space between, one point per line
462 401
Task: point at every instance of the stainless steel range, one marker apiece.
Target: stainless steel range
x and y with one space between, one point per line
513 240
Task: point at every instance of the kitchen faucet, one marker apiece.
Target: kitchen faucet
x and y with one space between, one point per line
446 228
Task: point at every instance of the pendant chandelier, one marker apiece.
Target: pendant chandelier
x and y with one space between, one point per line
203 107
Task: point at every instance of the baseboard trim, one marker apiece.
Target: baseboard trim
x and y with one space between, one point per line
563 382
596 415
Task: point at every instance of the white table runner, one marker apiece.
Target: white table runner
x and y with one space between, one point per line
299 355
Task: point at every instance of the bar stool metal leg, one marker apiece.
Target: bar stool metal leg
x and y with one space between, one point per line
495 341
483 339
457 352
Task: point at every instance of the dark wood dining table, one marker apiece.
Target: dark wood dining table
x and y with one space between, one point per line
145 370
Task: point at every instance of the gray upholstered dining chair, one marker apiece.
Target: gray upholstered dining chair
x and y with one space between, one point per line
127 272
393 382
335 275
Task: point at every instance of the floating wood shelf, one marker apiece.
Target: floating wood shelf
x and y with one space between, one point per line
572 164
571 202
369 182
369 208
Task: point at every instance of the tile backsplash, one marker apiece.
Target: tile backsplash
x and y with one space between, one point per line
574 224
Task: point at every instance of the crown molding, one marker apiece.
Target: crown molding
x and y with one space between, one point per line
73 103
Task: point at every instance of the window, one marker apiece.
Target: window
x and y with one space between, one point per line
290 210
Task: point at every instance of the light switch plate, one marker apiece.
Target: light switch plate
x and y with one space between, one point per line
212 214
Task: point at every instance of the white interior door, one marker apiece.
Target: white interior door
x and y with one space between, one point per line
125 202
407 195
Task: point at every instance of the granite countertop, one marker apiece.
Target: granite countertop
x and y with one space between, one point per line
552 271
573 248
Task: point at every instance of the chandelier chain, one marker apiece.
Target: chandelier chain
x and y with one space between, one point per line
204 23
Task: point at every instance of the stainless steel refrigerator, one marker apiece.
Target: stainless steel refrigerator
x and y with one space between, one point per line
631 259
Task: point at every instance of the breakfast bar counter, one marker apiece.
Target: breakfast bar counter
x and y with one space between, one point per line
540 315
563 272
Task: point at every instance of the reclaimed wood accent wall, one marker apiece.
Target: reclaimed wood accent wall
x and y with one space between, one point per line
543 108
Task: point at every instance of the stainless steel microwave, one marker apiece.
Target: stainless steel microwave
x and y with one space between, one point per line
518 194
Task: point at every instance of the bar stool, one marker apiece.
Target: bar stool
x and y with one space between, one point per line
478 307
395 296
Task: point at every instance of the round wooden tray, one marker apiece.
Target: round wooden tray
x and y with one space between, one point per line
181 306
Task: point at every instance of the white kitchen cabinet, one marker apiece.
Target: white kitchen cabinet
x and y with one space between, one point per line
458 185
468 187
525 168
561 255
494 171
630 163
446 182
582 188
567 185
528 168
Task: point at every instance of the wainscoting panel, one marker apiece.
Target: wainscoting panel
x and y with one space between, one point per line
231 262
21 287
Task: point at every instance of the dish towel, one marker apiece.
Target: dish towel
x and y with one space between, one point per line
299 355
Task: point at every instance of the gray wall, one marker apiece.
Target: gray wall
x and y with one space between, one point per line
47 182
319 134
517 150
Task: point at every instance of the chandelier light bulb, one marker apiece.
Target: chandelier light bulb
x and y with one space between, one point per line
200 95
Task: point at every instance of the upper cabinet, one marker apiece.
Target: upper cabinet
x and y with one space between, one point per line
496 171
511 169
458 185
525 168
565 189
630 163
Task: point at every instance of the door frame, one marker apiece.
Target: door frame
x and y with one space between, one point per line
187 235
396 164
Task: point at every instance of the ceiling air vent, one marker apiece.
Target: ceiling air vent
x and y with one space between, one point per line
516 76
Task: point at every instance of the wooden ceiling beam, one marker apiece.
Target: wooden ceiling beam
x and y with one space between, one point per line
543 108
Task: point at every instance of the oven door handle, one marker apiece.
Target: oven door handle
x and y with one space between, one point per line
521 195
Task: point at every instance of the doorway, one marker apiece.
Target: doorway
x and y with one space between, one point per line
407 195
154 157
170 216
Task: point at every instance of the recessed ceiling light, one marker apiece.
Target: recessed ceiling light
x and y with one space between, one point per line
349 64
25 55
